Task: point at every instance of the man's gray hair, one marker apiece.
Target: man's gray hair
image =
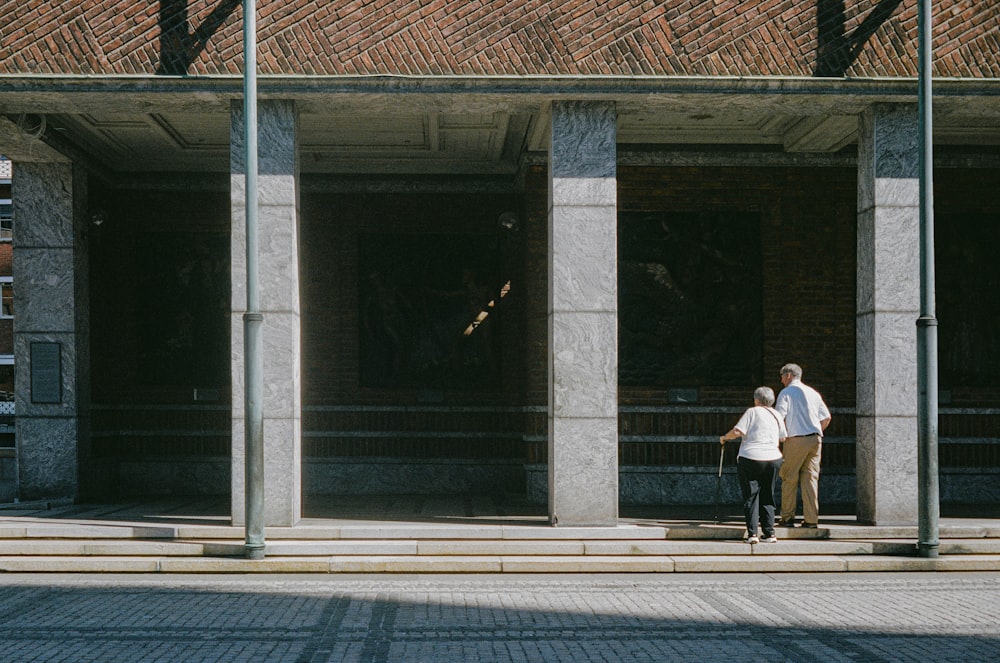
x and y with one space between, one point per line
764 396
792 369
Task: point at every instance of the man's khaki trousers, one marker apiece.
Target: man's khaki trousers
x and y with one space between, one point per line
801 468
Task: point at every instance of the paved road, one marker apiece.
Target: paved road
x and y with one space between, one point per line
703 618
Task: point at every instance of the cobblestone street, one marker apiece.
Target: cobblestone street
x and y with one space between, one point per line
842 617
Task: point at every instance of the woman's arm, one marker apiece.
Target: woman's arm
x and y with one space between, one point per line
733 434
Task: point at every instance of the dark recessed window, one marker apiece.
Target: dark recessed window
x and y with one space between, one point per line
968 297
689 299
430 311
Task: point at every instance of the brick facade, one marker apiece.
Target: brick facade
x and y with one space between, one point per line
480 38
808 285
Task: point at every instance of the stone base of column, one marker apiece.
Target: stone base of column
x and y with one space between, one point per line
887 473
47 458
282 473
583 473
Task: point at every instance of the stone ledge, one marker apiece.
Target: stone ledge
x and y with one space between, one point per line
500 564
588 564
359 547
455 564
501 547
760 564
231 565
99 548
954 563
28 564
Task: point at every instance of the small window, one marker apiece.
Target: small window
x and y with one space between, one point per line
6 297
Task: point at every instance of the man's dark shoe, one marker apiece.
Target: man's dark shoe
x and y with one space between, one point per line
810 525
790 523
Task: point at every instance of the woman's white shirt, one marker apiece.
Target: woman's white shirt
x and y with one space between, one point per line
761 428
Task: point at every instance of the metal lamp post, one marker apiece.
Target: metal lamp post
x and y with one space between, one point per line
927 364
253 341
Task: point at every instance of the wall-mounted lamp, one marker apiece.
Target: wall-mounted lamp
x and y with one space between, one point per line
98 217
509 221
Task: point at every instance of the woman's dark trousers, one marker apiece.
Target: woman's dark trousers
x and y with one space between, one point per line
757 481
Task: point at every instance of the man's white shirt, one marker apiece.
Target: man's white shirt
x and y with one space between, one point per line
803 409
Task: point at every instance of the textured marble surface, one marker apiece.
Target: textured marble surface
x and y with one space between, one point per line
584 255
888 150
888 305
236 362
43 205
887 367
47 451
583 473
49 270
282 471
583 347
886 471
278 265
582 191
583 140
282 359
278 289
8 484
889 259
583 318
44 296
238 243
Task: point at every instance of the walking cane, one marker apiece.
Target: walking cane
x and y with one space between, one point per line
718 484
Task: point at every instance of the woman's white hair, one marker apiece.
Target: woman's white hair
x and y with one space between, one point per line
764 395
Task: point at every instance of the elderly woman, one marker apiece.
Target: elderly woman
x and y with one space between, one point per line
759 460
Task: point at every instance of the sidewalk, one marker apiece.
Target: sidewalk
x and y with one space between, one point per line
462 535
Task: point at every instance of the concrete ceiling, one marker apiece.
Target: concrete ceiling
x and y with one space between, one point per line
473 134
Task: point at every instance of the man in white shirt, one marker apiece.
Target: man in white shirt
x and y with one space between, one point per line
806 417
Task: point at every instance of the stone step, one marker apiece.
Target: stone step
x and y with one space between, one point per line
457 548
103 547
753 563
43 529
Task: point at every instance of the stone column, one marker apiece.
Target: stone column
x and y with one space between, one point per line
583 316
888 306
51 328
278 280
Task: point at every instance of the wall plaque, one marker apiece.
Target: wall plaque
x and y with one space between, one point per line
46 372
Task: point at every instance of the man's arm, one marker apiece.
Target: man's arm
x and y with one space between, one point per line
781 405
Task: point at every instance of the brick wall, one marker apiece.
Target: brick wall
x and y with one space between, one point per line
970 284
808 281
331 228
808 254
493 37
125 305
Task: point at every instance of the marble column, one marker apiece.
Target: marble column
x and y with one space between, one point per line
51 327
278 281
583 316
888 301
